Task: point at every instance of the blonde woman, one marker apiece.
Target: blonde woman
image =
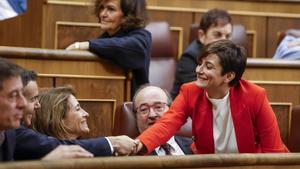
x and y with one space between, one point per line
60 115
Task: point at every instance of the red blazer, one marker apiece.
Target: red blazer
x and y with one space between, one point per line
254 121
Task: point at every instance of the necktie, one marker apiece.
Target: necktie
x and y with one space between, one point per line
167 148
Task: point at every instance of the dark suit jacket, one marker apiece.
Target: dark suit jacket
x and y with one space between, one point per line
183 142
8 145
186 66
34 145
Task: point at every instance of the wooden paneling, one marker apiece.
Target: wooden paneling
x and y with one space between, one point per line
24 30
251 44
282 92
177 40
232 5
280 78
101 118
204 161
37 27
175 19
69 32
90 88
283 113
272 74
61 12
45 82
256 28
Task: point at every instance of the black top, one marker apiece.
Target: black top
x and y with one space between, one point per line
186 66
130 50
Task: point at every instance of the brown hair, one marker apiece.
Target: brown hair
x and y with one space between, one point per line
232 57
214 17
134 11
54 106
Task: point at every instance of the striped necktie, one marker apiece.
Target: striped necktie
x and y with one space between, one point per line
167 148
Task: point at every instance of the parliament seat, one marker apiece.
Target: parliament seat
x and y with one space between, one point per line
294 140
163 58
125 123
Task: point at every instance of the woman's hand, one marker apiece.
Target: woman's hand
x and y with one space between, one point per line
79 46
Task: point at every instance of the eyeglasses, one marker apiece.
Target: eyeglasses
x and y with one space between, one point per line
144 109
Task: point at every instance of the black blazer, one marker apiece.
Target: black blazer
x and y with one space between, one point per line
183 142
33 145
8 145
186 65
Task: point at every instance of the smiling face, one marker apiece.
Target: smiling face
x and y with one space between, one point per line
12 103
76 119
31 93
151 104
209 76
215 33
111 16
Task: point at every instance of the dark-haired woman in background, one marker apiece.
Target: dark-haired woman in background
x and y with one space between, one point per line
124 41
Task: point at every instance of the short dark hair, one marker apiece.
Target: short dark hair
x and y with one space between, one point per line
145 86
134 11
8 70
214 17
232 57
28 76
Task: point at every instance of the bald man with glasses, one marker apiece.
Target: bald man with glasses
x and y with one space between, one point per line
149 104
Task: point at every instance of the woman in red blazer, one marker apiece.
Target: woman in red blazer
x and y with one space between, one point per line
229 115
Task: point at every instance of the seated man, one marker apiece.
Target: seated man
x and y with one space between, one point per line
33 145
289 47
149 104
12 104
214 25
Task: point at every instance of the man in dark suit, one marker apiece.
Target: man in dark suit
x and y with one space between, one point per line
26 142
12 103
149 104
33 145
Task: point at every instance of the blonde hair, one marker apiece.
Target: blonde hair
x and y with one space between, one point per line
48 119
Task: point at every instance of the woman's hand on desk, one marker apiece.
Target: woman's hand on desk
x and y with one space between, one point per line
79 46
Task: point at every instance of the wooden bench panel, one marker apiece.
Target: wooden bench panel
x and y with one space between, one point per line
69 32
283 113
205 161
101 116
87 88
282 92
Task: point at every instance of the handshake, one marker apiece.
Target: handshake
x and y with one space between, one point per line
124 145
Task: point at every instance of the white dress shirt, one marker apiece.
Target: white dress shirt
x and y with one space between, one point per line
223 128
175 148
